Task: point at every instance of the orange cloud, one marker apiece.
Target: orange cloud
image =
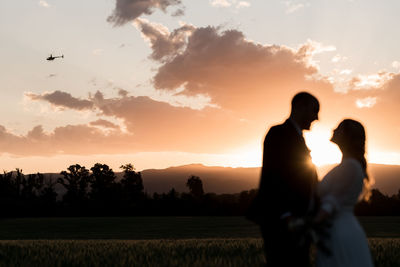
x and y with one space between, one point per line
255 82
159 126
150 126
250 86
381 118
240 75
70 139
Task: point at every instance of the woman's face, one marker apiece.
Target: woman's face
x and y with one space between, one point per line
337 135
349 136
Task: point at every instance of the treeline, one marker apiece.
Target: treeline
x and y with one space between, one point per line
98 192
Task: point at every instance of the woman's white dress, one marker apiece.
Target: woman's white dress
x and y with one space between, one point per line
339 192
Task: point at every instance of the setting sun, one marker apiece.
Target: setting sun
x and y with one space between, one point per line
322 150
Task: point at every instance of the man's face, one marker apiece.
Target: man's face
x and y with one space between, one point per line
310 115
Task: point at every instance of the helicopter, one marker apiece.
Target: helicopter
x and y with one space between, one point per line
51 58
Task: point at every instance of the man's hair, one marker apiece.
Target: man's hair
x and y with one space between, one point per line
303 99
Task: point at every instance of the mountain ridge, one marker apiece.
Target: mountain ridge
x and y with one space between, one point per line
229 180
218 179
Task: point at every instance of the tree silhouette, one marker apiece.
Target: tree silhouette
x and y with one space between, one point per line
9 194
76 181
98 192
48 192
31 186
104 188
172 195
195 186
48 197
8 187
102 181
132 186
19 177
25 195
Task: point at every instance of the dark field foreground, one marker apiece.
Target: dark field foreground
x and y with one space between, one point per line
186 252
158 228
158 241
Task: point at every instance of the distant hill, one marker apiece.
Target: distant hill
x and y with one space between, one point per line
233 180
387 178
215 179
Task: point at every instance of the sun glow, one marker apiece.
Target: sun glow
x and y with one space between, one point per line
249 155
322 150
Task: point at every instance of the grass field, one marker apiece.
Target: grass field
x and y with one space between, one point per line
184 252
158 228
158 241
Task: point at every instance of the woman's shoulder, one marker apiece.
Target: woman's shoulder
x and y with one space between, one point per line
348 166
347 174
351 163
351 166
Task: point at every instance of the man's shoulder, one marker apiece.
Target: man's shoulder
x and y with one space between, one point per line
279 128
283 134
276 134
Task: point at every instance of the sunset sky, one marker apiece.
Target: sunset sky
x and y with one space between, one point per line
161 83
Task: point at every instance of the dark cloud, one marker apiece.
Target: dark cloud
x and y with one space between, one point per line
238 74
104 123
62 100
122 92
128 10
179 12
163 43
37 134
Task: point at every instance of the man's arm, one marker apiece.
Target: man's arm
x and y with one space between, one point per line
273 185
288 171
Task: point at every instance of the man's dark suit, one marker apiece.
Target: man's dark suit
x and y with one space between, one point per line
287 186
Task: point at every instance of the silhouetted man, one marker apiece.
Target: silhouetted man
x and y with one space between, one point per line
287 186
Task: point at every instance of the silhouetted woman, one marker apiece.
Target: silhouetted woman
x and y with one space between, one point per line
339 191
